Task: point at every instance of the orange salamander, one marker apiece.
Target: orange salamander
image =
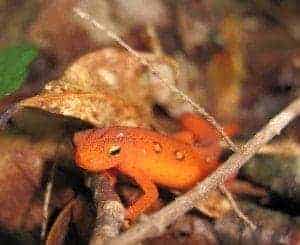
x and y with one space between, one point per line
178 161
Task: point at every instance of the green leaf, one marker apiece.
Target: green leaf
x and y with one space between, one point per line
14 63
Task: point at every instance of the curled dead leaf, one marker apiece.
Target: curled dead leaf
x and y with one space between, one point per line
76 212
103 88
98 109
110 87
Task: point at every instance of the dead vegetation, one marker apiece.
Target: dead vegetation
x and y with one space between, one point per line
235 62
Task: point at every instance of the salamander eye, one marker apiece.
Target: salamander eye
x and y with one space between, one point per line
114 150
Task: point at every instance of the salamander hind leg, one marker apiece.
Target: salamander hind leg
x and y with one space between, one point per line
199 127
149 188
185 136
202 129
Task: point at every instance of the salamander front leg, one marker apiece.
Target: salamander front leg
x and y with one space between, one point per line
149 188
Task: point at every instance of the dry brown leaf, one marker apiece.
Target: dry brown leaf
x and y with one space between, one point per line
98 109
75 211
215 205
274 227
103 88
194 29
190 230
60 227
122 17
55 31
113 80
110 87
105 69
226 72
22 166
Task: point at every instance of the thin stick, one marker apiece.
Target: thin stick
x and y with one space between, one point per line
235 207
47 199
157 223
155 73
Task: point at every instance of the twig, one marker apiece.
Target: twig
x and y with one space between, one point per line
47 199
157 223
110 212
156 73
236 209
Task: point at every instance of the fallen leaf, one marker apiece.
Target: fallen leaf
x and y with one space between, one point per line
190 229
56 33
98 109
273 227
216 205
74 212
103 88
22 166
226 72
278 173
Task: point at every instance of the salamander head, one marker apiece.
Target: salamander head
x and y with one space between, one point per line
96 149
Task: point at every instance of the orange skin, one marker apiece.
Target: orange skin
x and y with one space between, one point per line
178 161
